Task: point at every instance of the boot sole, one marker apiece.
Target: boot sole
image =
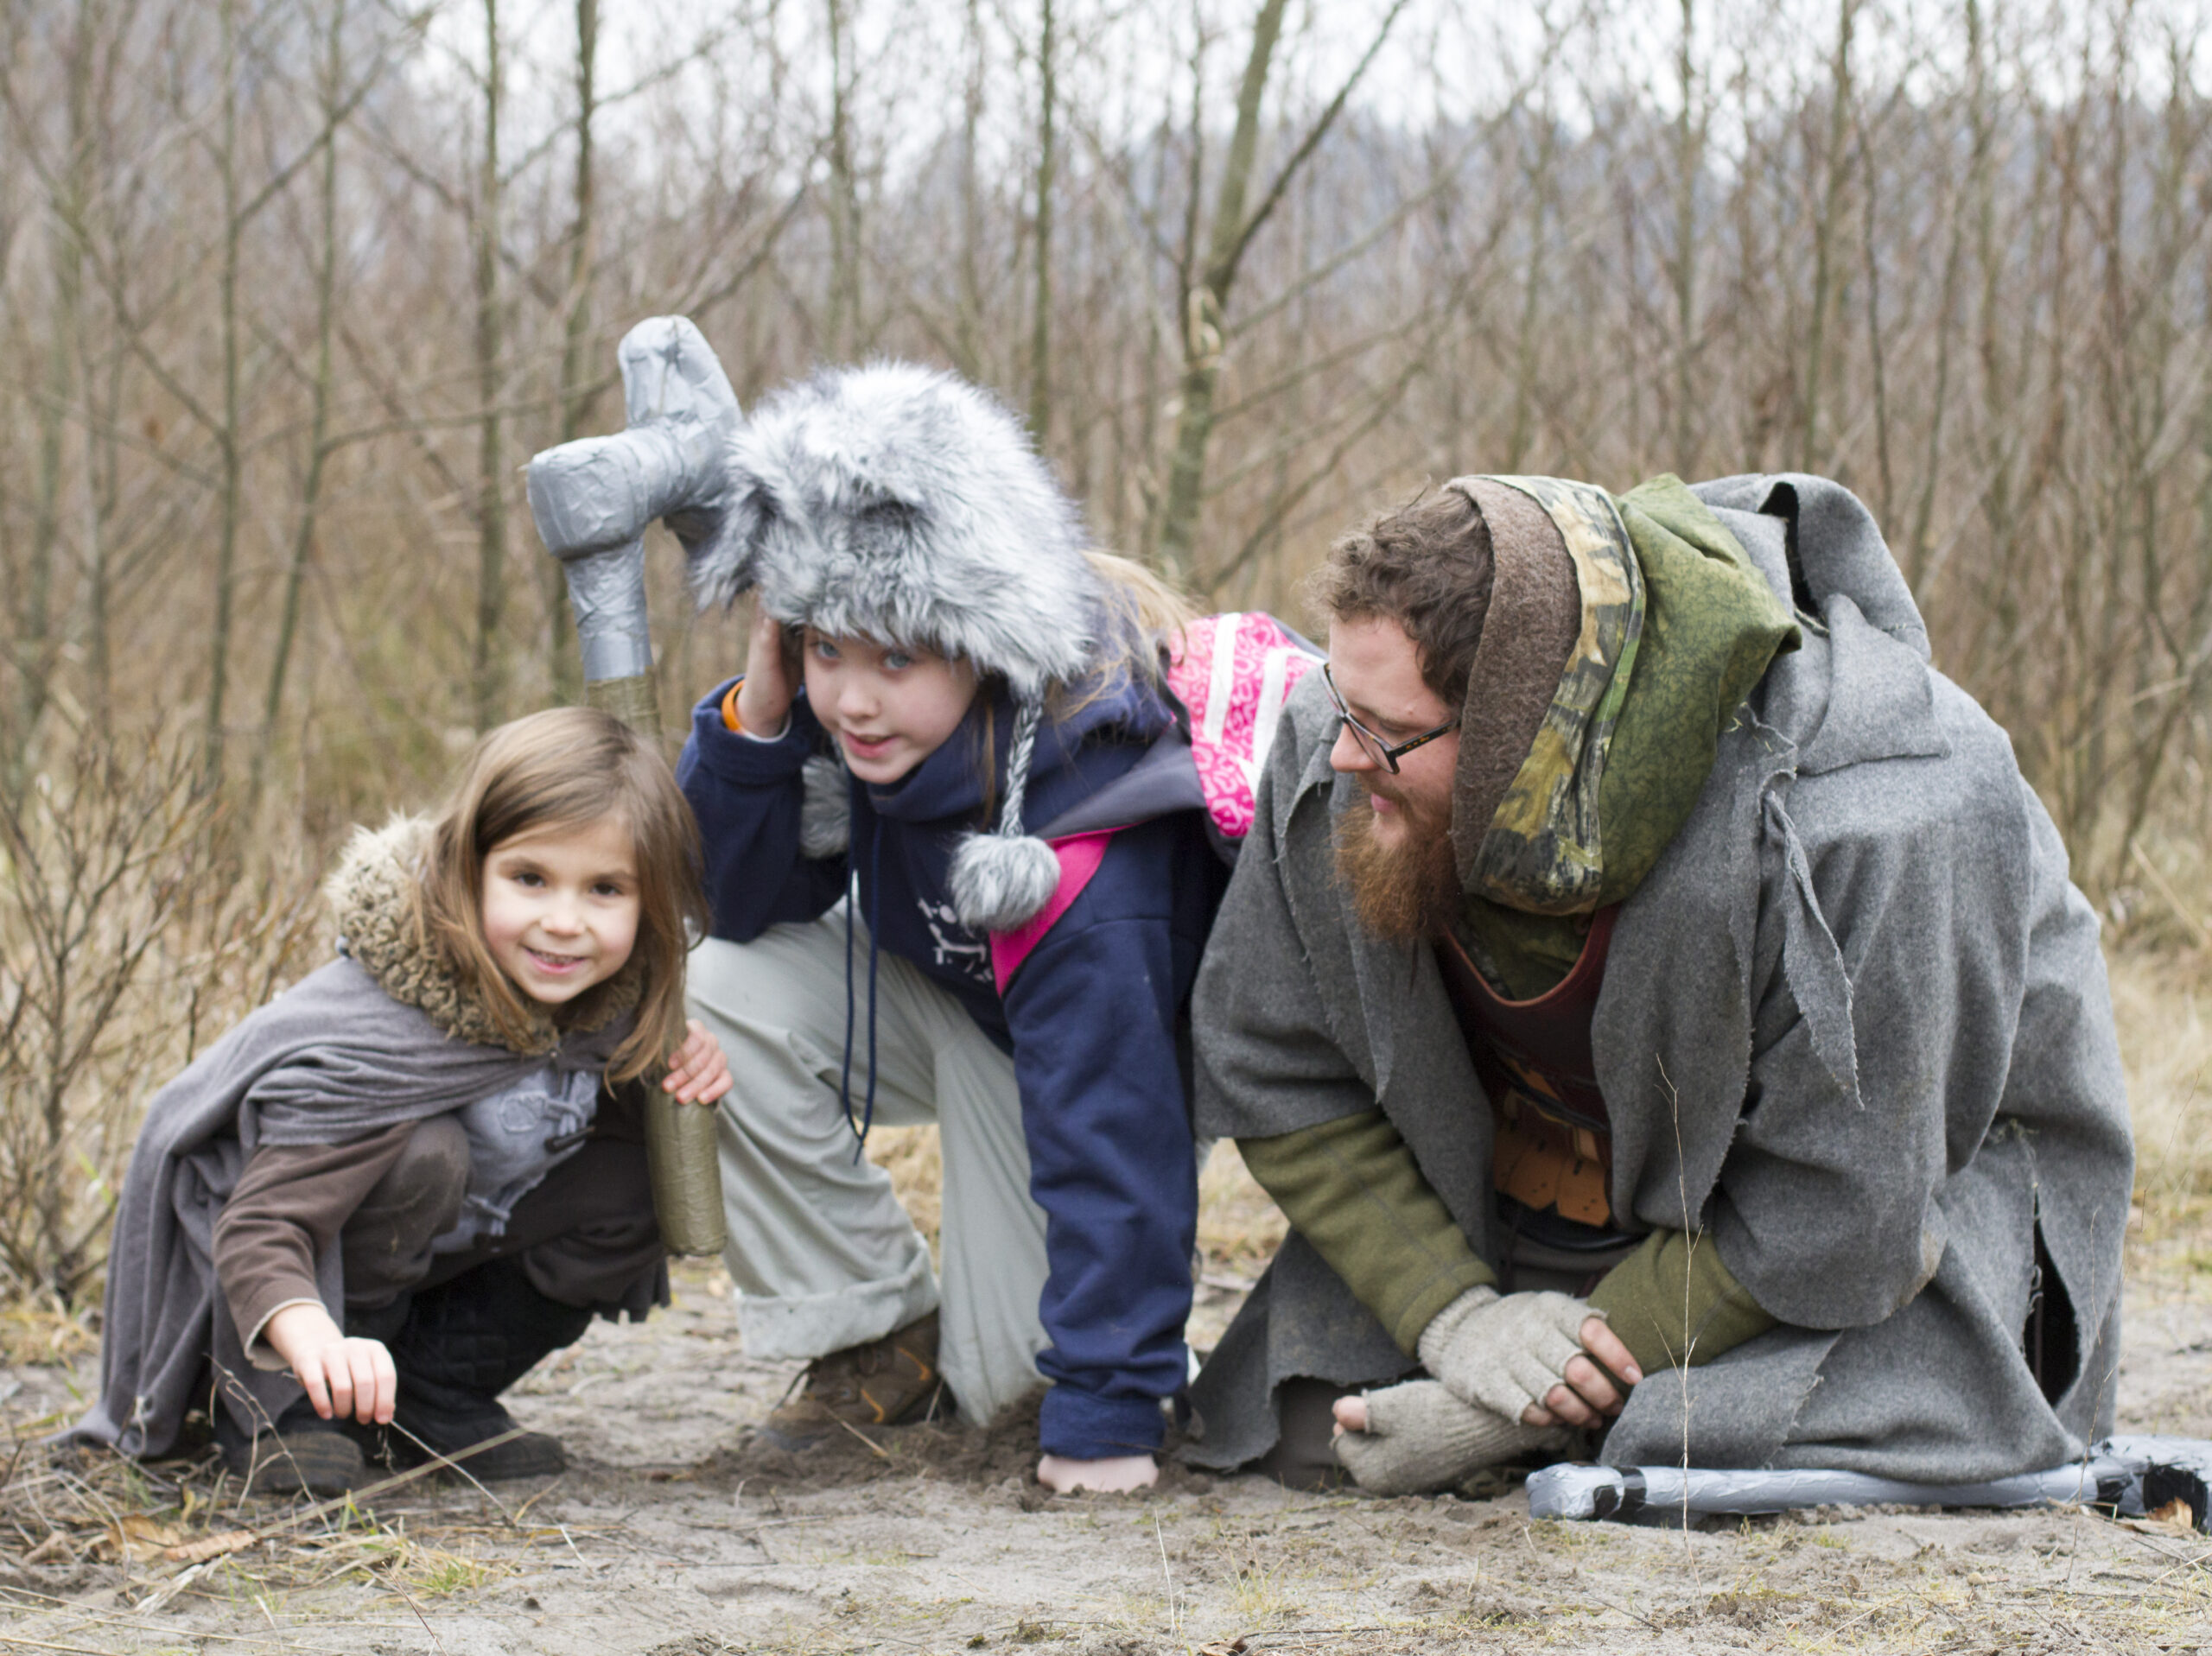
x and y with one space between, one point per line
534 1454
321 1464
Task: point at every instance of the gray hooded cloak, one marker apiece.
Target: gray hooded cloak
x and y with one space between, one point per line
388 1034
1854 1028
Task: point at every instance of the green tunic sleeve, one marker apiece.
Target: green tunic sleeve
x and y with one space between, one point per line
1352 1188
1674 1304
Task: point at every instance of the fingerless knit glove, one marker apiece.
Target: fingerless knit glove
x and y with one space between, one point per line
1421 1438
1503 1352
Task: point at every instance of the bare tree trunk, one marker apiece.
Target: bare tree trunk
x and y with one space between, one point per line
1689 162
1203 314
578 383
331 93
491 480
1041 319
228 438
843 324
1877 347
1825 230
968 313
1524 351
1205 319
1924 511
35 621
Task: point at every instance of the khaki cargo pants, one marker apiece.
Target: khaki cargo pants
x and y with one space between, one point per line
823 1256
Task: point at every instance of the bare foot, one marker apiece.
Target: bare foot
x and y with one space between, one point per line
1114 1475
1351 1414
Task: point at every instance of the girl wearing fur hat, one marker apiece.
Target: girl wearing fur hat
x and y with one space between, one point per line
949 701
380 1199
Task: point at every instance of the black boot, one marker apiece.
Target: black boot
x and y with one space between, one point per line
301 1454
464 1342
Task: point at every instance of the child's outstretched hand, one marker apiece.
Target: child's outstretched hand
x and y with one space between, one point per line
343 1378
697 1072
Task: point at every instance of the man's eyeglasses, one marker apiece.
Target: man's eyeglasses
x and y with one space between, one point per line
1386 754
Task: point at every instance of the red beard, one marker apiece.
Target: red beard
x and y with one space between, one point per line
1405 892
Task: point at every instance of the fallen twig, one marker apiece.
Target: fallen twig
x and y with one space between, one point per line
210 1547
1174 1618
881 1453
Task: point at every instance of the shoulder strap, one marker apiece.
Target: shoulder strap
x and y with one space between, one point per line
1080 855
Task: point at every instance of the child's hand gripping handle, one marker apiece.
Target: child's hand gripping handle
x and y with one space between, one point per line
680 1152
592 500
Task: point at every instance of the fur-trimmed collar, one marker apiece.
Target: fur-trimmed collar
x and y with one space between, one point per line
371 893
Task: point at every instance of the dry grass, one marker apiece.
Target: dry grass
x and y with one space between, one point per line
31 1332
2163 1005
1239 1226
185 1527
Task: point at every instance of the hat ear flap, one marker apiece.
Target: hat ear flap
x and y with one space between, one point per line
724 542
1001 882
825 811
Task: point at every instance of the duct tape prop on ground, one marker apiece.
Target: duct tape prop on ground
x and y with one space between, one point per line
2131 1477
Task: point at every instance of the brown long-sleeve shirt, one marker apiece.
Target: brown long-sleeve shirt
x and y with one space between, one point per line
290 1206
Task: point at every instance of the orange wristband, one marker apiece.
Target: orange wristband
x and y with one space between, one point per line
730 720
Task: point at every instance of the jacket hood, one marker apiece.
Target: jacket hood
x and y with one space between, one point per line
371 893
1622 635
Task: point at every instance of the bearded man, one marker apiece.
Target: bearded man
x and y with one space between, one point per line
1659 1005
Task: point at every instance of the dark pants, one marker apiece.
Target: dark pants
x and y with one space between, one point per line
586 1236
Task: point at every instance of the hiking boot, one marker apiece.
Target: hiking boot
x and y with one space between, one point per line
302 1454
434 1420
886 1382
463 1343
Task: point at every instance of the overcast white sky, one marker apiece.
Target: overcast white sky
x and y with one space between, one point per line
1122 59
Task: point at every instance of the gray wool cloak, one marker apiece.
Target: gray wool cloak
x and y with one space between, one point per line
336 1057
1854 1028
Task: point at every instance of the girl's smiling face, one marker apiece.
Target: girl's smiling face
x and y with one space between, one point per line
889 707
560 907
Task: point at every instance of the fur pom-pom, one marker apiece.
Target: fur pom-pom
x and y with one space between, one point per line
825 811
999 883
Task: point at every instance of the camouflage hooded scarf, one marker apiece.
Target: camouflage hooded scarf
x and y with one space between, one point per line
1622 634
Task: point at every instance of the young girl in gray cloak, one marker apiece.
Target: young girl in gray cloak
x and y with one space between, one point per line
375 1203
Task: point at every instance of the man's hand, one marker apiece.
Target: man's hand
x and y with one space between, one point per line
343 1378
1417 1437
1584 1396
1522 1356
1116 1475
764 701
697 1071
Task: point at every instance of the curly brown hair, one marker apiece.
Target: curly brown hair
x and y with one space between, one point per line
1425 565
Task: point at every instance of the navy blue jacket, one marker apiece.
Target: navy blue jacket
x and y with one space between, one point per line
1096 1018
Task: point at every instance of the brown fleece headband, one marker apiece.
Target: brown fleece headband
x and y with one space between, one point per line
1536 615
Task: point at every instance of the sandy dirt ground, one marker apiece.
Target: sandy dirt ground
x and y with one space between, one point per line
676 1535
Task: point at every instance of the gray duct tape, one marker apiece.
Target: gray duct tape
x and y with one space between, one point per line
1624 1493
598 493
2130 1474
607 590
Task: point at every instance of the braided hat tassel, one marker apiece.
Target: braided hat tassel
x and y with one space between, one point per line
1000 880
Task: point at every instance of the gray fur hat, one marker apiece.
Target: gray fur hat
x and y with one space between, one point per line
895 503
